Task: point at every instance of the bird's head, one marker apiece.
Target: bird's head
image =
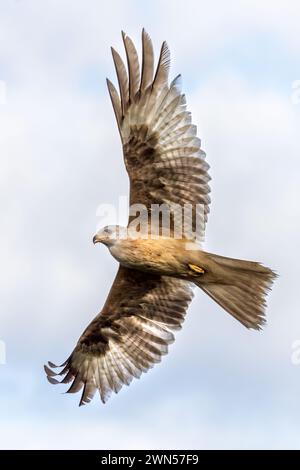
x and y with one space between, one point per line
110 234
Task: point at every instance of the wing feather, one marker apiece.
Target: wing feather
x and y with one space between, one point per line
133 67
162 72
116 103
147 62
122 79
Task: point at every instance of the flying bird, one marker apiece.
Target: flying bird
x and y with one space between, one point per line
154 284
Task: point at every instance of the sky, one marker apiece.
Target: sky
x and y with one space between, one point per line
221 386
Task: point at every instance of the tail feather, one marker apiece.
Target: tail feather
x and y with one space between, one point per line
243 289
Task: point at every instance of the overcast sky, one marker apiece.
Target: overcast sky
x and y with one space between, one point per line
221 386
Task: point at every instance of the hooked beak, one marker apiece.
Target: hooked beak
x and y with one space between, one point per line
96 239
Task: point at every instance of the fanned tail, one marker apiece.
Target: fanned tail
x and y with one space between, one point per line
243 289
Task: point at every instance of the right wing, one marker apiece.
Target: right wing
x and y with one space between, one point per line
128 337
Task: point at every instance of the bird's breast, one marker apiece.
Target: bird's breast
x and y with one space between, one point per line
160 256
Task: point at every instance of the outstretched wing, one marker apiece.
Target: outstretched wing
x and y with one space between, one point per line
128 337
162 153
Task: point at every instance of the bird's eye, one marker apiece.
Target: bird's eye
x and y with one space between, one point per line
106 230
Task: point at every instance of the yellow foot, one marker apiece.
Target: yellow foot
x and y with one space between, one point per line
197 269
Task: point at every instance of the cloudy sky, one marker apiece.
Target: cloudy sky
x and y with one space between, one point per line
221 386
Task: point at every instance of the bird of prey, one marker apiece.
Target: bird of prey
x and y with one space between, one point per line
154 284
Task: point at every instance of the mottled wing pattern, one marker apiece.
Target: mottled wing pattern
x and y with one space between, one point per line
128 337
162 153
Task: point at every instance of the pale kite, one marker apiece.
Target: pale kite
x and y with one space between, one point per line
154 284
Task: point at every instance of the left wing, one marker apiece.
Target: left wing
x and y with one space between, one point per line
162 153
128 337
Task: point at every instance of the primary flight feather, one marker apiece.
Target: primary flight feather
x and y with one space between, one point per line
154 284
